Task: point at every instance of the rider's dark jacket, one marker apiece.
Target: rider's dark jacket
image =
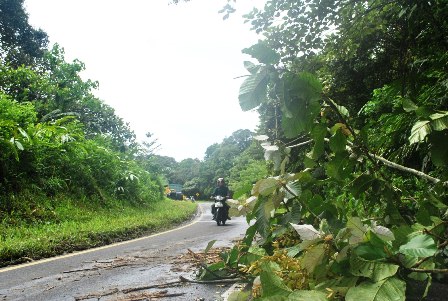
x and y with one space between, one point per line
221 190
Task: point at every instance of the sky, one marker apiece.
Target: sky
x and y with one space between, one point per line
171 70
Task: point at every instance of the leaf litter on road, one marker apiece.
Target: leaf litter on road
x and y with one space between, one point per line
182 263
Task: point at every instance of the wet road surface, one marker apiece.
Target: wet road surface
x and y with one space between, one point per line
113 272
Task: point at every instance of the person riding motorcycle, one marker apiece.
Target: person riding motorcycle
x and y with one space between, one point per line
221 190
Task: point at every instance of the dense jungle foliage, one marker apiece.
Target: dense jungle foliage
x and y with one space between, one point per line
353 104
59 143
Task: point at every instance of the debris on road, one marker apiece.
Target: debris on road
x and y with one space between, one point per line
184 263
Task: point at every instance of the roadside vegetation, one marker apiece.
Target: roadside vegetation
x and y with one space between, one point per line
353 105
72 228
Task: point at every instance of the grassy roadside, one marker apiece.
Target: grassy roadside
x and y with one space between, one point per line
78 228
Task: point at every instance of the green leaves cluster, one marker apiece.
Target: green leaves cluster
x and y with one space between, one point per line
352 99
54 158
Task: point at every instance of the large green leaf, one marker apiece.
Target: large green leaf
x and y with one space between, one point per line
307 296
311 84
439 151
209 245
306 232
272 284
253 90
421 245
318 134
338 142
313 257
408 105
292 127
419 131
383 233
251 67
294 189
263 53
340 167
361 184
389 289
357 230
439 121
341 109
374 270
401 235
263 212
300 95
370 251
239 296
265 187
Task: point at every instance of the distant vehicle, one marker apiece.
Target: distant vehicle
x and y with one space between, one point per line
176 195
175 191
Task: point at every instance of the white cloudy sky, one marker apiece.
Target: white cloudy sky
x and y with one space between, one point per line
166 69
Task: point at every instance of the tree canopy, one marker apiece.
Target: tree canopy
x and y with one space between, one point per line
20 43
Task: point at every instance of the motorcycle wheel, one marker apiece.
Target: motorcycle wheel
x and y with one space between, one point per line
217 217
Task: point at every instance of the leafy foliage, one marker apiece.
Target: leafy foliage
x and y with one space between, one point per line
353 115
20 43
57 140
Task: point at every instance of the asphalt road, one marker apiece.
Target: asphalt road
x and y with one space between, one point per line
112 272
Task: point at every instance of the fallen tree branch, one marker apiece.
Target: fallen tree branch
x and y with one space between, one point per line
203 264
436 271
97 295
407 169
81 270
145 296
301 143
371 156
140 288
399 167
181 280
218 281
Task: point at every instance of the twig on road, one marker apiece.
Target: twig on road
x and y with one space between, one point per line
97 295
163 285
218 281
150 296
80 270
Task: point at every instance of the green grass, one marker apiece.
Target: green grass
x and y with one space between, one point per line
77 228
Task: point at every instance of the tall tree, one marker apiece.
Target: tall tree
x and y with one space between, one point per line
20 43
57 89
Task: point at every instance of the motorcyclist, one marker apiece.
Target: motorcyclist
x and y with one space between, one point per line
221 190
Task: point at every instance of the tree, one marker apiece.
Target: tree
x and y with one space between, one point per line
58 90
247 169
192 188
240 138
186 170
20 43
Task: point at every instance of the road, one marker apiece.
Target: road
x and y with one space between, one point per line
112 272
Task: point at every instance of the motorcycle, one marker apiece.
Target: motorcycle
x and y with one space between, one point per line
220 210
